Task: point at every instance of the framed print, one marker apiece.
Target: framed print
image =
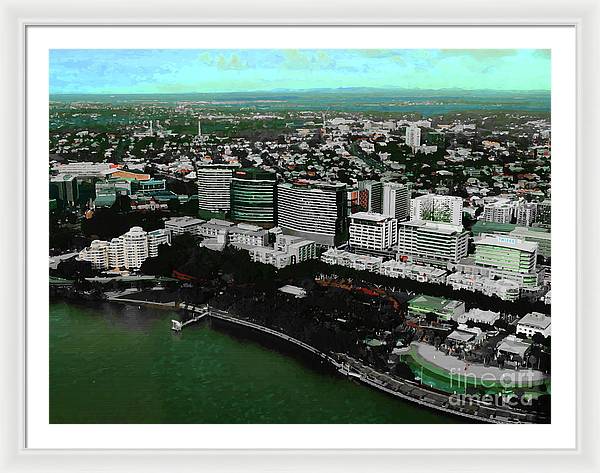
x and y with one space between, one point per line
275 241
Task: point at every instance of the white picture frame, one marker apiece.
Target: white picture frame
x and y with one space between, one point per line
17 16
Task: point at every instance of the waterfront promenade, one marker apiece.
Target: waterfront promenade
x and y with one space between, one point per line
477 411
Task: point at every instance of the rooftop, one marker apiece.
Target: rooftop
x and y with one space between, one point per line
536 319
371 216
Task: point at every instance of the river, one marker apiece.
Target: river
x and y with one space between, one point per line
112 363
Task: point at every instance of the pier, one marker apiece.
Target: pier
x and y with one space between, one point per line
199 313
349 367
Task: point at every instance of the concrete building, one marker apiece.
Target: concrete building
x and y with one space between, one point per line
128 251
431 243
181 225
506 254
479 316
315 211
371 231
541 236
444 309
413 136
374 199
437 208
500 210
253 196
505 289
157 238
533 323
135 242
214 187
287 250
544 213
245 234
416 272
526 214
96 254
351 260
396 201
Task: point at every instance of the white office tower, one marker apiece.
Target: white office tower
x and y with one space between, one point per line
316 211
156 238
214 187
372 231
526 214
396 201
135 242
413 136
199 130
96 254
437 208
431 243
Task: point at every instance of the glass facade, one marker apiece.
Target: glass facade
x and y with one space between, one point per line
253 196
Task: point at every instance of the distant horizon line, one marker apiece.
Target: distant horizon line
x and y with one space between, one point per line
325 89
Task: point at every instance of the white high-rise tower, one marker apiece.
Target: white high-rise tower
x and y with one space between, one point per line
199 129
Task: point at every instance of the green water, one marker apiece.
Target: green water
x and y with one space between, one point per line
119 364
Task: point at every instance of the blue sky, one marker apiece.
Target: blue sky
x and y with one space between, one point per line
130 71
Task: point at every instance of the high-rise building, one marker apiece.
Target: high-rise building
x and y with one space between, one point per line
526 214
128 251
544 212
135 242
396 201
437 208
506 254
313 210
253 193
116 253
413 136
96 254
214 187
431 243
372 232
374 195
500 211
157 238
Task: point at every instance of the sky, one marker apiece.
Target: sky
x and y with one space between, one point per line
131 71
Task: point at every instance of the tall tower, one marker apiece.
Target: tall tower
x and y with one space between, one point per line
151 132
199 130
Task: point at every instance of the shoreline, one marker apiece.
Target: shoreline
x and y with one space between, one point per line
400 388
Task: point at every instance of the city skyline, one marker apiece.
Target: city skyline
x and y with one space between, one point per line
146 71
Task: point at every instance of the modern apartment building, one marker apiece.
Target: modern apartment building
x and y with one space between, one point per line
544 213
500 211
413 136
372 231
374 189
128 251
157 238
253 196
315 211
135 242
437 208
214 187
431 243
526 214
396 201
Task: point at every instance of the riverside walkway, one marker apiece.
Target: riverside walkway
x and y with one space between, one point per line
402 388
